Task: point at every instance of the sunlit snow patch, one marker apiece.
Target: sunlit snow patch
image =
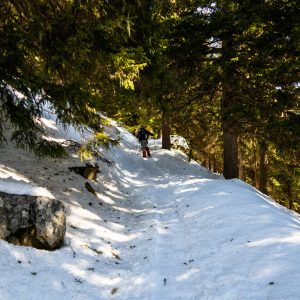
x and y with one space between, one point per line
23 188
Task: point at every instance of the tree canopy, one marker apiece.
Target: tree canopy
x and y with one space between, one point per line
223 74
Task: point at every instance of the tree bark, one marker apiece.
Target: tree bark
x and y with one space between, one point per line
263 167
215 168
242 174
159 134
166 141
231 169
290 194
229 99
204 162
190 154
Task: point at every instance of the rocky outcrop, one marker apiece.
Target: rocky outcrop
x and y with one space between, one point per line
36 221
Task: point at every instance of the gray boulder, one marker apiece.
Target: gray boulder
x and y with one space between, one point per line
36 221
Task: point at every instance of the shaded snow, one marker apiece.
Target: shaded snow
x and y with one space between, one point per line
158 229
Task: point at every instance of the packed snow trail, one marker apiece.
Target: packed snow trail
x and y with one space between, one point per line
213 239
157 229
154 188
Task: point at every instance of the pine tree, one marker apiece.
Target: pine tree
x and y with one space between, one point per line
70 55
235 41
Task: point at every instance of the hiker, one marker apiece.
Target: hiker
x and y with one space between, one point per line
143 136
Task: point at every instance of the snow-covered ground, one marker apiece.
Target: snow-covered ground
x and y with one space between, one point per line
158 228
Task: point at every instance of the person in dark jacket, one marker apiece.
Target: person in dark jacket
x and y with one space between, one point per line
143 136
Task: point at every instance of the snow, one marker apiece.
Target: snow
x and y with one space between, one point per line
158 228
20 188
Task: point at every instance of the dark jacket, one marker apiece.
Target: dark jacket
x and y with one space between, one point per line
143 134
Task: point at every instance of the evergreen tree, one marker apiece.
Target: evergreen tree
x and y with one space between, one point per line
69 54
234 43
158 82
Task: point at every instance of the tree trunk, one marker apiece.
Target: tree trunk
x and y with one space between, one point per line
215 168
231 169
205 162
190 154
290 194
166 141
263 167
254 167
229 99
242 174
159 134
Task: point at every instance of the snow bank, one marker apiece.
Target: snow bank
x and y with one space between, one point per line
23 188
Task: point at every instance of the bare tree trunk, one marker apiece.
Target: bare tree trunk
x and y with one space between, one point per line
263 167
290 194
215 168
159 134
242 174
166 141
205 162
230 132
209 164
252 172
190 154
230 153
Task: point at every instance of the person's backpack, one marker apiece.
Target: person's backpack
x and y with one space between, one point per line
142 134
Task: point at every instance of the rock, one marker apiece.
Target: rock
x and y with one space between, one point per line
36 221
90 189
88 172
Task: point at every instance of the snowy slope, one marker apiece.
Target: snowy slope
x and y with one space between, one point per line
157 229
